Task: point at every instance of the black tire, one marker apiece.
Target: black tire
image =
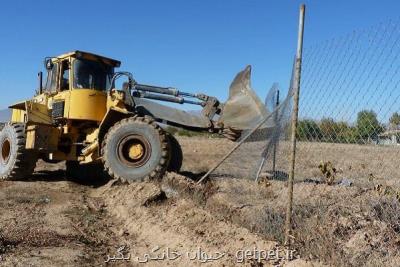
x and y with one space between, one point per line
16 163
175 155
148 144
92 173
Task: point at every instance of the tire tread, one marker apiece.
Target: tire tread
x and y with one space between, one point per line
162 165
25 161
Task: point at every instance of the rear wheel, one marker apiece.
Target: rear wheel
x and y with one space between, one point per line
135 149
15 161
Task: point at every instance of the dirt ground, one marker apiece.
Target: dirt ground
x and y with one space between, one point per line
48 220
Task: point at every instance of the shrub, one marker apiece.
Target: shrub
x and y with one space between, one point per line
308 130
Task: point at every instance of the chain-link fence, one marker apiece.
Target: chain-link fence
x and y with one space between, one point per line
346 199
256 154
347 188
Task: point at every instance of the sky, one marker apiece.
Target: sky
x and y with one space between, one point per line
196 46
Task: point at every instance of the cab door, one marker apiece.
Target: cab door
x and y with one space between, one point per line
61 89
88 100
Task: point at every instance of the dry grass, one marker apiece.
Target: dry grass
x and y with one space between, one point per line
339 225
336 225
361 163
351 233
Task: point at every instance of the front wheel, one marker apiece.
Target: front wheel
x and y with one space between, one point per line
135 149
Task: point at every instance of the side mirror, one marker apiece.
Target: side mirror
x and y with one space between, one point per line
48 64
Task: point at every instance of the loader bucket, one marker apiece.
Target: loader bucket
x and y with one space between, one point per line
243 110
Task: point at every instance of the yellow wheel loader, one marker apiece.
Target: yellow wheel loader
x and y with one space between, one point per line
79 116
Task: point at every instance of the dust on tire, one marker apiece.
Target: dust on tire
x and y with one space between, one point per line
16 162
146 129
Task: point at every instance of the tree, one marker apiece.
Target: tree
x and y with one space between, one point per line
368 125
329 130
395 120
348 134
337 132
308 130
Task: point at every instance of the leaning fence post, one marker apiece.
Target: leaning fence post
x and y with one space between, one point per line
297 76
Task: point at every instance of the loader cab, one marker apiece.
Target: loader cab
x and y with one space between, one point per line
79 70
77 83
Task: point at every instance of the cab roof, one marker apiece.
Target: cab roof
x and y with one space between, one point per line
88 55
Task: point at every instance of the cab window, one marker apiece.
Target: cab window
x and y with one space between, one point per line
51 81
65 75
90 74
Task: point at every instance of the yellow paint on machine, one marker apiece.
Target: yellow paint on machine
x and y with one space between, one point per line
18 116
85 104
18 113
37 113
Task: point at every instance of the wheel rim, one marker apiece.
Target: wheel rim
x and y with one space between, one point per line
134 151
5 150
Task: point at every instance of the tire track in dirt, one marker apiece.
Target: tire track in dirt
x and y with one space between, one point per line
49 221
177 224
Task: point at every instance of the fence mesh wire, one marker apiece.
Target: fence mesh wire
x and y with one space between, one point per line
256 157
347 186
348 150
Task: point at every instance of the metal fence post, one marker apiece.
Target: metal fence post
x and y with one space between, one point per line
275 143
289 208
